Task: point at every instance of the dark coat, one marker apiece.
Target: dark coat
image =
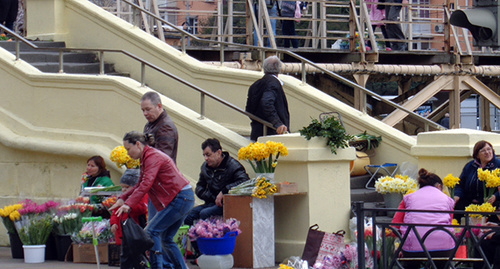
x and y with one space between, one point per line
212 181
470 187
165 134
267 100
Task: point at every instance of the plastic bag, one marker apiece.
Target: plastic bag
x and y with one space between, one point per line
409 169
336 45
295 262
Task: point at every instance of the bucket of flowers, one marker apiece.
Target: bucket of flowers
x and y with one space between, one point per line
215 236
10 214
393 189
34 228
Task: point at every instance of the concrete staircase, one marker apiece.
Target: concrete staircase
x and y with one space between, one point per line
359 192
48 61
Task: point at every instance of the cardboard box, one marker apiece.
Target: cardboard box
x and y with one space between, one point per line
85 253
287 187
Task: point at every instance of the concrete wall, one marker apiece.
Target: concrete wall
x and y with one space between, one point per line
85 25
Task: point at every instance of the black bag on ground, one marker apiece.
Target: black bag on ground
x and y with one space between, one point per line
134 235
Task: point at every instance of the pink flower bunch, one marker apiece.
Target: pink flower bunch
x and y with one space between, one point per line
213 228
31 207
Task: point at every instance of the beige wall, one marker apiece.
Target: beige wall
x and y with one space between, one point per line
305 102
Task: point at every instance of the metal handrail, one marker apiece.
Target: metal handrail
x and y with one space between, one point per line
144 63
427 123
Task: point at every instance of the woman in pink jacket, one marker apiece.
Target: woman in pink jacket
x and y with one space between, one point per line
170 193
377 15
430 196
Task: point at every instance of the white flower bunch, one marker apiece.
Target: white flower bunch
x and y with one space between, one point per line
397 184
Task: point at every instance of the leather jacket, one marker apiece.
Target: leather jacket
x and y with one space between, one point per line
214 180
160 178
165 134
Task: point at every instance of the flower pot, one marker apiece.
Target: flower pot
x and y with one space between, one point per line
16 246
218 246
51 248
34 253
392 200
63 242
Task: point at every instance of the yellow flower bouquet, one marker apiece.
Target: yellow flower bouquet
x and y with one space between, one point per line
263 157
451 182
120 156
9 215
485 207
397 184
491 181
260 187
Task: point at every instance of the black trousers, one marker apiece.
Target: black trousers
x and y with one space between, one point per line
8 12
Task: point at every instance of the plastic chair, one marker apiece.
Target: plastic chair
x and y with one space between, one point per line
386 167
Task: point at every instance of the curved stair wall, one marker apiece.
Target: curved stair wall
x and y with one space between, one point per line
86 25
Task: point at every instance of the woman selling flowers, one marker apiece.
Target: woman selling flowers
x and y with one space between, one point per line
169 192
430 196
470 190
96 176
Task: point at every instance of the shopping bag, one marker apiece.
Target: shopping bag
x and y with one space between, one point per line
298 13
331 245
313 244
137 240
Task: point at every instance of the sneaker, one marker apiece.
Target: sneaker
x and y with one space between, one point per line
388 49
368 48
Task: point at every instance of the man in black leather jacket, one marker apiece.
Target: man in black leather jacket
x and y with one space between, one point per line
219 173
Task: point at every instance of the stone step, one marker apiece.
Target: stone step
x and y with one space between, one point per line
73 68
68 57
366 195
11 45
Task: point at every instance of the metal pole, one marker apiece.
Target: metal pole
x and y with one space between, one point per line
143 74
202 106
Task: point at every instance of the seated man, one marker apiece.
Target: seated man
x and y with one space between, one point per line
219 173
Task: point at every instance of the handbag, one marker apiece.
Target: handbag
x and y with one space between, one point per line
319 244
135 237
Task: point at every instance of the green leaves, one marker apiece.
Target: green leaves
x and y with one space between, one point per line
331 129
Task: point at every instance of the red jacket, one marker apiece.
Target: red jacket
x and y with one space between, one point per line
136 211
160 178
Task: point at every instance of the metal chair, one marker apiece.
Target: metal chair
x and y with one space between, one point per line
386 167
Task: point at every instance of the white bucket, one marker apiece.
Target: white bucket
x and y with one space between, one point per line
215 261
34 253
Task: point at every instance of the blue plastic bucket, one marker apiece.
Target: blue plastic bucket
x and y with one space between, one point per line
218 246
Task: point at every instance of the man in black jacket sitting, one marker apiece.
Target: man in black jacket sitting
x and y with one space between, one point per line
266 100
219 173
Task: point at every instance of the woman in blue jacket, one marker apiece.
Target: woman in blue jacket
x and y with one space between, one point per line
470 190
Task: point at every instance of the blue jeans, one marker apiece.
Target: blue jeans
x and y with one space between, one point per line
203 212
163 227
273 12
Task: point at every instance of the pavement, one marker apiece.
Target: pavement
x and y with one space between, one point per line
7 262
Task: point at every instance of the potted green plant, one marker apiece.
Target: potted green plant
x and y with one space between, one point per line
365 142
330 128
